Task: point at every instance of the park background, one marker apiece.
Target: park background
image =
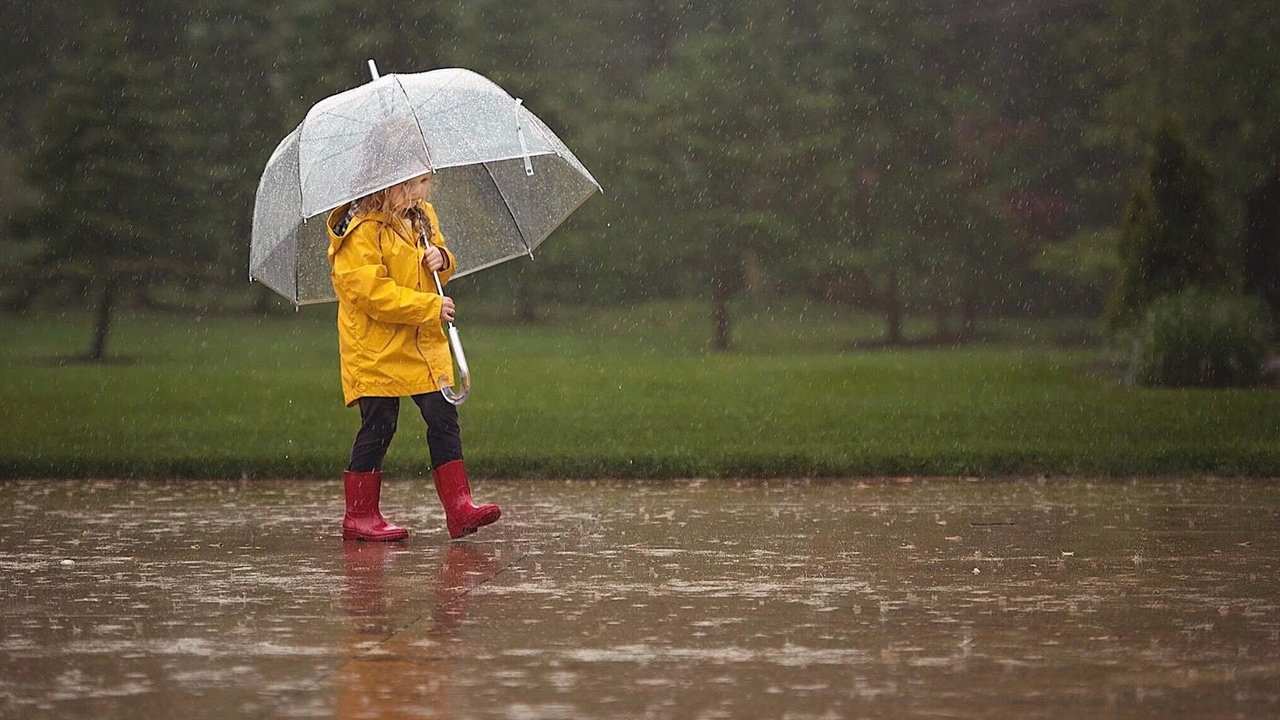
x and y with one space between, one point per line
837 238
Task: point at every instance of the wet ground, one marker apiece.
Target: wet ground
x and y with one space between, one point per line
880 598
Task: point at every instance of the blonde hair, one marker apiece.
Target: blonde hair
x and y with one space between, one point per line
380 201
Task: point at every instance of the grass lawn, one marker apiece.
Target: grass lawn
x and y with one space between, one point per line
630 393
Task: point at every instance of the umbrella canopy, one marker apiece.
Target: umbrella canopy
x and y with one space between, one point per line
504 180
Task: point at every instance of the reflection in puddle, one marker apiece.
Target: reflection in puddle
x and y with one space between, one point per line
403 671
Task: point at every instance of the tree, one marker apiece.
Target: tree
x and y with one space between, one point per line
1171 238
1261 250
909 182
869 71
733 118
106 160
1214 66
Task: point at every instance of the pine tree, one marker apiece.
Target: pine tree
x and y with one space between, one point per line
1261 248
1170 241
1215 66
106 161
733 119
1131 290
903 193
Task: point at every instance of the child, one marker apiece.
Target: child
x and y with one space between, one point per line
383 248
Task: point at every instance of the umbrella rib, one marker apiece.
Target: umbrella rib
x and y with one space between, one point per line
335 136
302 181
418 123
345 116
463 103
297 266
297 161
539 127
557 144
507 204
437 90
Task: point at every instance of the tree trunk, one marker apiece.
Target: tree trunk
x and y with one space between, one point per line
940 316
659 24
753 274
892 309
103 324
967 318
526 309
1260 251
720 313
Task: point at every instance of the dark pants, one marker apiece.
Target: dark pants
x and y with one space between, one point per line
378 424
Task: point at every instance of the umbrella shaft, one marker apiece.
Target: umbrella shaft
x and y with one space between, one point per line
439 289
435 275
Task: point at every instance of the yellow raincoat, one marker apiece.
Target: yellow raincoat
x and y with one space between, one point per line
390 338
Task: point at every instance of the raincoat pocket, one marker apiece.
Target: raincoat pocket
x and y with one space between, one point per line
377 335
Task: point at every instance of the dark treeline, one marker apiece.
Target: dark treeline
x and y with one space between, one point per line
949 158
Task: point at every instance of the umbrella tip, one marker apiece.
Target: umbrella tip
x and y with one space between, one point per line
373 69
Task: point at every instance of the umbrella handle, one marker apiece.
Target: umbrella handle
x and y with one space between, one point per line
454 396
451 393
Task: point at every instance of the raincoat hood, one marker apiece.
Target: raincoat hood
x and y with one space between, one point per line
341 227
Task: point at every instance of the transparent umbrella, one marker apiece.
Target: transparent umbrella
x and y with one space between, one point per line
504 181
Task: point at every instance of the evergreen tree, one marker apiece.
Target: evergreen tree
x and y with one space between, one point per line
909 194
1214 66
1261 250
866 66
232 95
734 122
107 162
1131 290
1170 240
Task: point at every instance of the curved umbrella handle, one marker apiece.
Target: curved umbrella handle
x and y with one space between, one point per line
451 393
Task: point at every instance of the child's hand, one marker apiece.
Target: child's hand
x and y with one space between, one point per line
434 258
446 309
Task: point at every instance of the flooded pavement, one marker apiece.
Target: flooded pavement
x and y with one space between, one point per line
877 598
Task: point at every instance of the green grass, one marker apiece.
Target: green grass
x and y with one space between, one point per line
626 393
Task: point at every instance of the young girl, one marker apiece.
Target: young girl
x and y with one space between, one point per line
383 248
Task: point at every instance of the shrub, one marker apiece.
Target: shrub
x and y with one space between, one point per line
1201 338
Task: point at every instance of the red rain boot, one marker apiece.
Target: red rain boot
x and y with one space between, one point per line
363 521
461 514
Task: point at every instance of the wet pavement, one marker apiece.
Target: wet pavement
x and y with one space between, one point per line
882 598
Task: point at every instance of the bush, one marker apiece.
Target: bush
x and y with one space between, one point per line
1201 338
